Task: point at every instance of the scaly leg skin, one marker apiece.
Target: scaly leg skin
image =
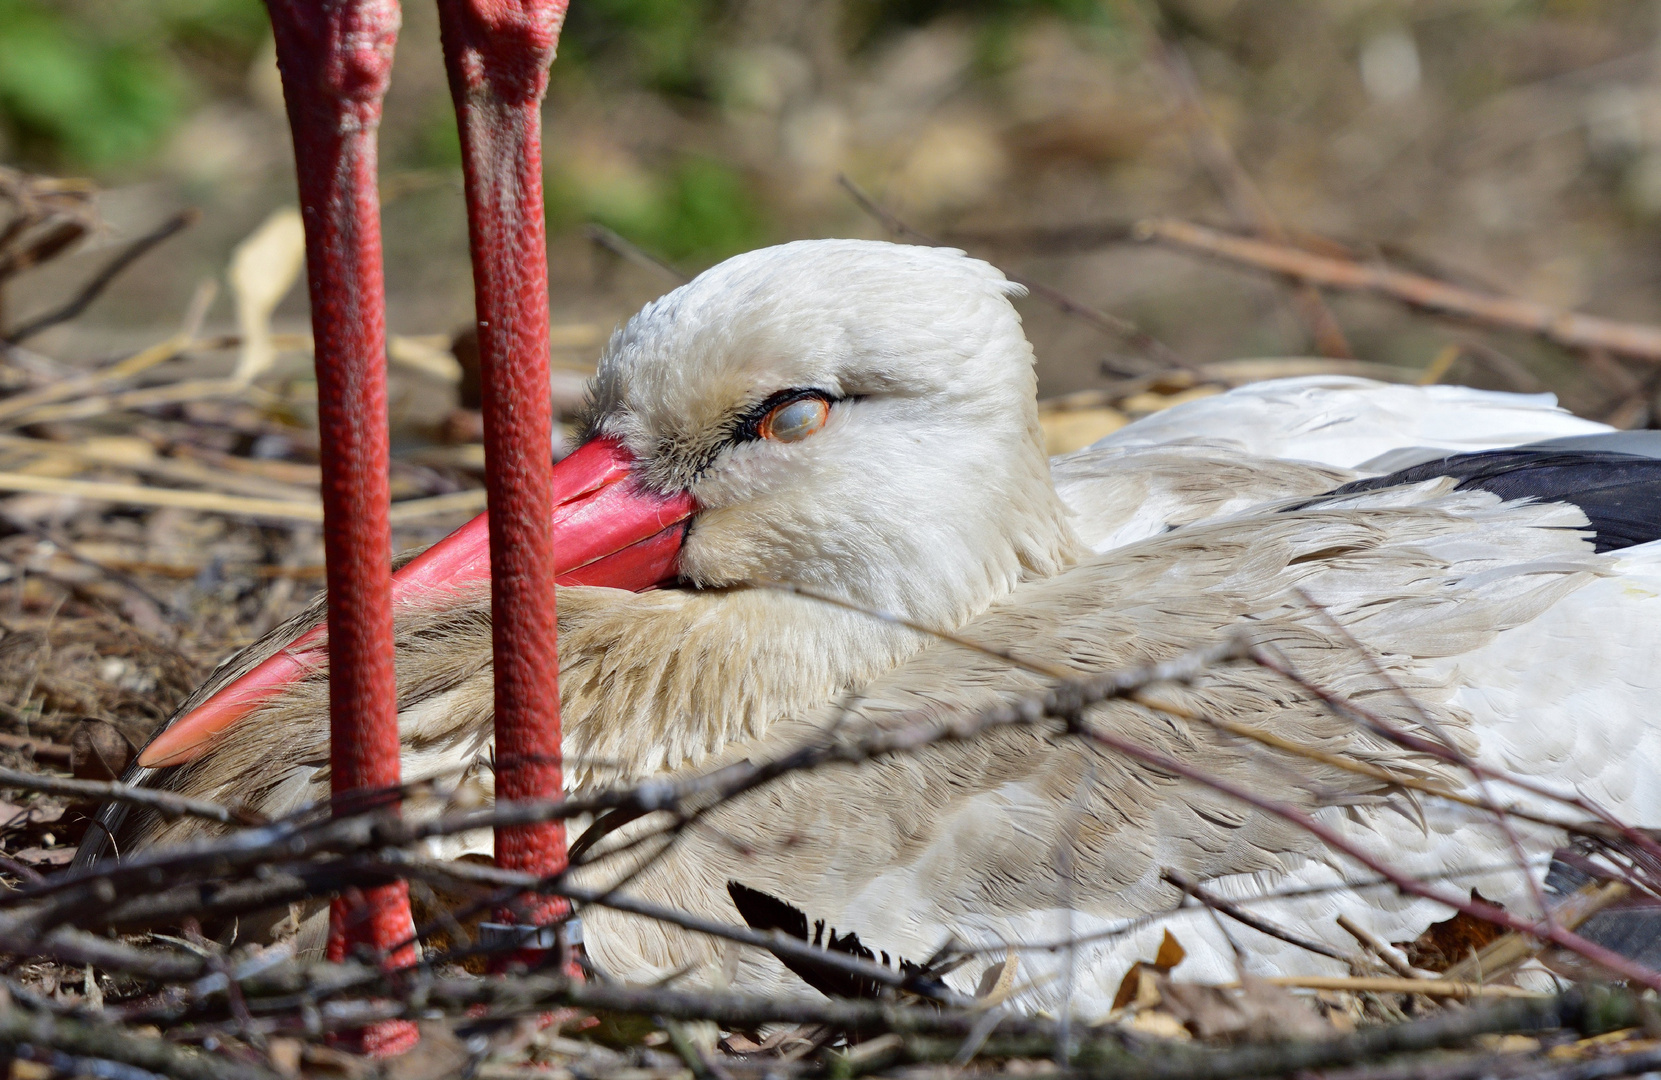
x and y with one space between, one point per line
497 53
336 60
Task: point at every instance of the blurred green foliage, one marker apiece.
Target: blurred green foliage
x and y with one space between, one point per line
93 87
697 208
662 44
97 85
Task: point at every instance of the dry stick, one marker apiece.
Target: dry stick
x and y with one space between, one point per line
1235 912
1377 947
1592 951
1112 325
78 948
776 941
20 1028
458 502
1447 988
349 834
1495 1066
1379 726
1245 202
101 280
1265 738
140 361
165 803
1588 1011
44 749
1566 328
1338 761
1104 1055
1429 721
621 246
191 473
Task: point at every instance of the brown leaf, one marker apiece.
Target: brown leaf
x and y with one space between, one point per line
1134 988
45 858
1170 954
1256 1010
1450 941
98 750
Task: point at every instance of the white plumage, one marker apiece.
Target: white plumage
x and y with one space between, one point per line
926 494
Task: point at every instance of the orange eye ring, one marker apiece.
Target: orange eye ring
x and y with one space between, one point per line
794 421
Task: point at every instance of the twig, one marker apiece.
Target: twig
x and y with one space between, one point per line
1245 202
470 501
165 803
1378 948
1566 328
20 1028
621 246
356 833
1379 726
1381 985
1112 325
1238 914
42 749
1486 1066
1435 727
78 948
186 472
1336 841
101 280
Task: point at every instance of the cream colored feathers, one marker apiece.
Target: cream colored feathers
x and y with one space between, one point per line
926 495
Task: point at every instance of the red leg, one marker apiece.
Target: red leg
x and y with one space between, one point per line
336 60
497 53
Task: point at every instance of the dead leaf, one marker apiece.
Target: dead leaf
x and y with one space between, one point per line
45 858
284 1055
1256 1010
98 750
1170 954
1158 1024
1136 988
997 980
1446 943
263 269
439 1054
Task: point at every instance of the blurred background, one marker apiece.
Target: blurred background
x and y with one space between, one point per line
1511 147
1514 144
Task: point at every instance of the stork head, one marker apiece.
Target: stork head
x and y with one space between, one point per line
849 416
853 418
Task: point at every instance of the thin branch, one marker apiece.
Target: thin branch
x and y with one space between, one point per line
1501 821
1598 954
100 281
1239 915
165 803
1374 945
22 1028
1112 325
1566 328
1240 193
623 247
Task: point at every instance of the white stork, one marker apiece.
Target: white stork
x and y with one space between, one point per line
858 420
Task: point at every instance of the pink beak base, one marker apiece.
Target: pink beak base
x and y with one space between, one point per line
607 530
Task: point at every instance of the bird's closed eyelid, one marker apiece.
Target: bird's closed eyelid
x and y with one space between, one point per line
753 424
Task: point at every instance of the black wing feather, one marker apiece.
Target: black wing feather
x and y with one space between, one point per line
1620 494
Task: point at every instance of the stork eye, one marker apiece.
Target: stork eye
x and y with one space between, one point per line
795 420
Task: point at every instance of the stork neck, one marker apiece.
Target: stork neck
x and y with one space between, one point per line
659 681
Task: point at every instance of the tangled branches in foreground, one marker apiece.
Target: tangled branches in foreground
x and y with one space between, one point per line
155 1001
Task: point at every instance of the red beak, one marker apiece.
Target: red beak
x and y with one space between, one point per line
607 530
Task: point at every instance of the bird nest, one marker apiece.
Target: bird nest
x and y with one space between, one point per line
162 513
